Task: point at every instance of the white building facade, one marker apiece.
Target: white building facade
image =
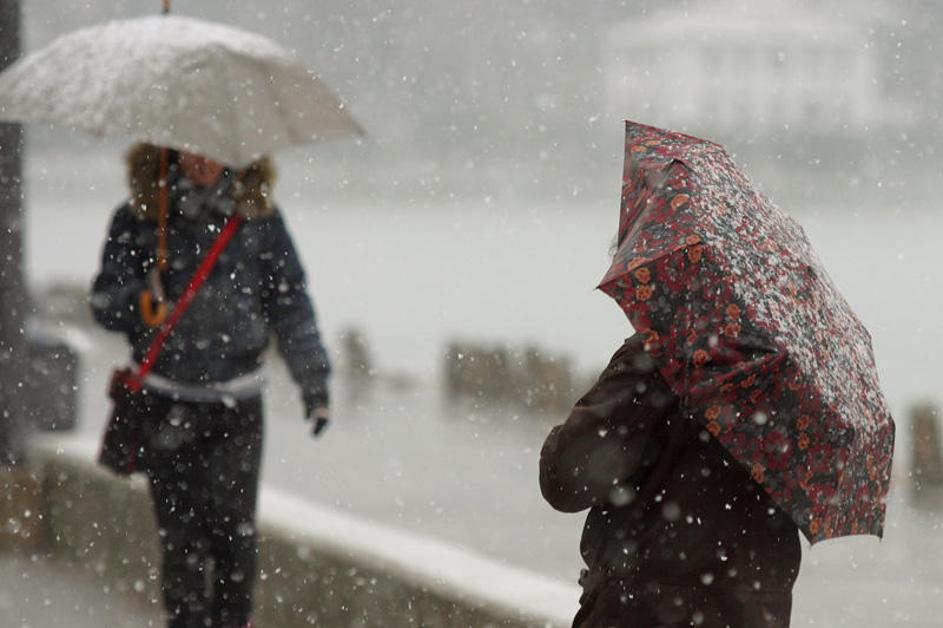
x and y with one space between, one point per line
729 71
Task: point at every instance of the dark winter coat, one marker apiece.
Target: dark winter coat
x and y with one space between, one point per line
257 287
677 533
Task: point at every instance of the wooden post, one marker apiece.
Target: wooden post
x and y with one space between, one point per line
927 461
22 510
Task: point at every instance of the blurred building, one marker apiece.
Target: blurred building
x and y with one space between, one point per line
738 71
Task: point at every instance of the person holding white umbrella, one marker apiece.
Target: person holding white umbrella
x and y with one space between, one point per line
198 271
198 424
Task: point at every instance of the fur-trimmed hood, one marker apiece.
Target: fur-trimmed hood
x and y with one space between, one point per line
252 190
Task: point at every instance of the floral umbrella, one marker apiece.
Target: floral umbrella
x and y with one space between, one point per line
749 330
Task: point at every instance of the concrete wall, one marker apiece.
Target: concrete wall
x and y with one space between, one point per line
318 567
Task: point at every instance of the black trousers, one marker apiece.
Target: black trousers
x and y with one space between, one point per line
203 465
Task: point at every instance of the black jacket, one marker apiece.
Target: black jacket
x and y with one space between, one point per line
677 533
256 288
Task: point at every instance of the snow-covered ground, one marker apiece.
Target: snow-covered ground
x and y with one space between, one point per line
41 594
413 275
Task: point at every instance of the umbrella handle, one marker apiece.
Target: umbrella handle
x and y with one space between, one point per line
152 316
162 210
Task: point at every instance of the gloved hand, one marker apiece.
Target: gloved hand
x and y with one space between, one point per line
317 410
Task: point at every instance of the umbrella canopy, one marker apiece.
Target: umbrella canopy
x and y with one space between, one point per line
749 330
179 82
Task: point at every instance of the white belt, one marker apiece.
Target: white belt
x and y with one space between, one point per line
242 387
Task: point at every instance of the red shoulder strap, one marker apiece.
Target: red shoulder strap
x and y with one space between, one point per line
202 272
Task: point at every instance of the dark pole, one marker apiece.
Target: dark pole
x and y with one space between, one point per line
13 295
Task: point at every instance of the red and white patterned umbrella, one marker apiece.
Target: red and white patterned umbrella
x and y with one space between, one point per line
751 333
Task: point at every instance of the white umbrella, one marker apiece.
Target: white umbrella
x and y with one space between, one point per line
180 82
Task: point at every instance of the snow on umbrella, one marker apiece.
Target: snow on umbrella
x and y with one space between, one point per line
173 81
751 333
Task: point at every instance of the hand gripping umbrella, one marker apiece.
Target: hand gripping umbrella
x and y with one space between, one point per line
750 332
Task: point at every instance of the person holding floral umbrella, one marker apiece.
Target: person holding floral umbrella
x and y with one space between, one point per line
747 407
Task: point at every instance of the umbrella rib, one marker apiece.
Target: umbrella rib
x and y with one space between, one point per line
233 111
286 131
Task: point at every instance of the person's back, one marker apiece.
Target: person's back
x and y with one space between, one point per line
678 533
